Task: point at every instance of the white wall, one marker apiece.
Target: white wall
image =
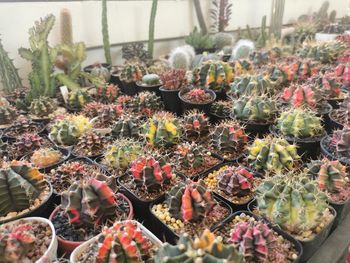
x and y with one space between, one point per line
128 21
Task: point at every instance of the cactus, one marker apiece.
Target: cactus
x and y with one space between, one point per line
299 123
107 115
221 108
42 107
215 75
260 57
190 201
123 242
65 133
206 248
105 34
151 172
89 202
331 85
295 203
92 109
197 96
78 98
23 125
262 38
228 137
248 85
242 67
341 141
174 79
66 27
121 153
20 185
132 73
220 14
7 115
27 143
272 154
152 21
146 103
126 127
257 109
182 57
300 96
135 52
190 155
8 72
196 125
45 157
41 78
90 144
199 40
162 130
325 52
150 80
276 22
242 49
101 72
222 40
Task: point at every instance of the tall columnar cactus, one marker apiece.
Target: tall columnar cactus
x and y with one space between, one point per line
162 130
196 125
299 123
206 248
220 14
300 95
42 107
262 38
105 34
258 108
123 242
190 155
215 75
8 72
248 85
272 154
190 201
293 202
276 21
20 185
341 141
89 202
151 172
41 77
152 21
66 27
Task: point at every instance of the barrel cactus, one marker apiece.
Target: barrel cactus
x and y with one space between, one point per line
301 95
8 115
100 71
326 52
65 133
146 103
26 143
341 142
42 107
190 155
132 73
78 98
90 143
196 125
127 126
255 84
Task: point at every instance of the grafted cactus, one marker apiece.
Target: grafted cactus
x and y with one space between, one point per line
190 155
323 52
190 201
206 248
107 93
92 109
341 141
20 185
146 103
107 115
162 130
90 144
42 107
196 125
65 133
299 123
248 85
272 154
293 202
300 95
27 143
133 73
126 127
151 172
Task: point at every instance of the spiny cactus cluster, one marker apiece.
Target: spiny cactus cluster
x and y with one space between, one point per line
196 125
127 126
107 93
174 79
45 157
162 130
206 248
145 103
133 73
107 115
249 85
42 107
197 96
20 185
272 154
90 144
300 95
27 143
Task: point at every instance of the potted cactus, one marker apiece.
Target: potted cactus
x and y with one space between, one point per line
130 74
196 126
326 52
107 115
127 126
92 109
8 114
196 98
77 99
48 157
259 241
204 248
340 117
173 81
21 126
91 144
85 208
145 103
193 159
302 127
31 239
220 110
42 109
31 199
228 140
149 82
124 241
309 219
104 66
100 70
107 93
189 207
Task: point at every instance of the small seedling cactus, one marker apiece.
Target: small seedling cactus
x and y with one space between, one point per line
248 85
300 96
196 125
272 154
146 103
174 79
45 157
133 73
42 107
127 126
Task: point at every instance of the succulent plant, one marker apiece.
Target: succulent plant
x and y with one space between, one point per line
260 57
181 57
150 80
272 154
101 72
341 141
7 115
20 185
323 52
27 143
221 108
65 132
293 202
92 109
90 144
78 98
301 95
331 85
135 51
223 39
299 123
133 72
249 85
127 126
45 157
151 172
257 109
197 96
206 248
190 201
23 125
343 71
242 67
42 107
199 40
107 115
89 202
174 79
196 125
146 103
162 130
215 75
107 93
190 155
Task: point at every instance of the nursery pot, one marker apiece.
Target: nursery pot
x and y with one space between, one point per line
333 124
89 68
325 115
151 88
254 128
325 142
41 131
84 246
115 79
171 100
214 118
221 95
187 105
342 210
298 247
129 88
200 51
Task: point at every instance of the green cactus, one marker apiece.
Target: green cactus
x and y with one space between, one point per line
42 107
126 127
66 27
8 115
152 21
221 108
272 154
146 103
65 133
190 155
249 85
261 41
8 72
20 185
196 125
222 39
199 40
105 34
276 21
151 79
132 73
78 98
326 52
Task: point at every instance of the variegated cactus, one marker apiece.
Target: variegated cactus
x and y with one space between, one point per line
341 141
252 84
127 126
42 107
196 125
301 95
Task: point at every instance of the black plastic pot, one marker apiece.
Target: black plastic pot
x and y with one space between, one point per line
325 142
89 68
237 159
171 100
200 51
342 210
298 247
221 95
324 114
226 58
254 128
151 88
336 102
187 105
129 88
214 118
334 125
164 233
308 148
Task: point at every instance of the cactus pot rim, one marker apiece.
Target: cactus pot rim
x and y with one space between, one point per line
186 90
82 247
161 88
336 123
330 155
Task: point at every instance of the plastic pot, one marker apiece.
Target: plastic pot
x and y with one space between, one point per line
285 235
200 51
333 124
221 95
254 128
164 233
330 155
187 105
129 88
51 253
151 88
83 247
40 211
171 100
324 114
214 118
89 68
115 79
342 210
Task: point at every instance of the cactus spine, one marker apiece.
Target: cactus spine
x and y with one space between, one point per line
105 33
151 27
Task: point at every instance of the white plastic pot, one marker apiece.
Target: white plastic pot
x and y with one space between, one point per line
83 247
323 37
51 252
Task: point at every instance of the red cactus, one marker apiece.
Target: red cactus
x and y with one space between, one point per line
300 95
235 181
